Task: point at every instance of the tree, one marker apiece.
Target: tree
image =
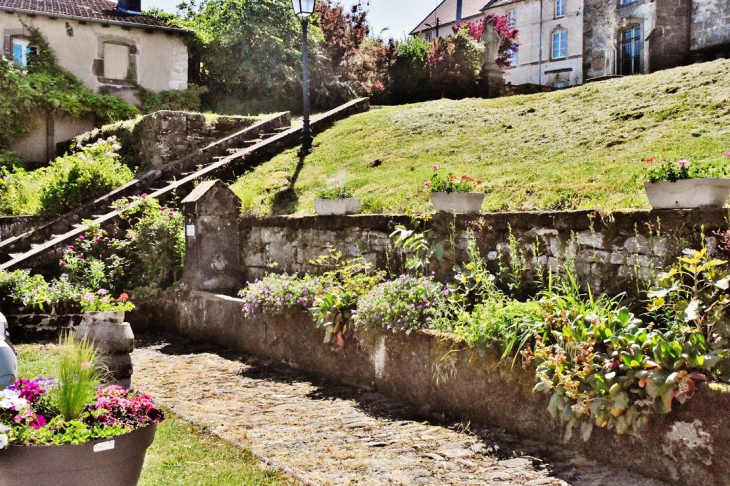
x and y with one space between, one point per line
454 63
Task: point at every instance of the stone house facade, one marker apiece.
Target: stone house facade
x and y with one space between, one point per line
107 47
550 41
568 42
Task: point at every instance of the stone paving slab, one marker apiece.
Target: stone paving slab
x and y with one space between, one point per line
337 435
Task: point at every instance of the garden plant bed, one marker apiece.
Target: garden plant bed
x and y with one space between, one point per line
438 373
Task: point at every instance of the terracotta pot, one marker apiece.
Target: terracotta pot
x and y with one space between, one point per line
457 202
104 462
330 207
688 193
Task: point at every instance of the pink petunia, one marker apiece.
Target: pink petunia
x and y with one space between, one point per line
682 163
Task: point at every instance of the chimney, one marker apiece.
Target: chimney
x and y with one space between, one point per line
132 7
458 11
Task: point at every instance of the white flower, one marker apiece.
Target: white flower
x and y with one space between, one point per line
10 399
3 441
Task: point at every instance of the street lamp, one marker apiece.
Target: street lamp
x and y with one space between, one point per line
303 9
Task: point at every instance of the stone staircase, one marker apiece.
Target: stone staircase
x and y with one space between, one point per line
225 159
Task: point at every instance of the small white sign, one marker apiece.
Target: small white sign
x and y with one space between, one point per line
190 230
104 446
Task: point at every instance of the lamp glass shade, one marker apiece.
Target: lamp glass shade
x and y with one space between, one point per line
303 8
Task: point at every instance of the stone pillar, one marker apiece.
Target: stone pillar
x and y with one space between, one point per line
212 239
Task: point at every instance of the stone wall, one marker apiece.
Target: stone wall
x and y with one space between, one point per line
711 25
609 250
14 225
438 373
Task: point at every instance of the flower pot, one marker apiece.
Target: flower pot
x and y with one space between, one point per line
329 207
457 202
688 193
114 341
104 462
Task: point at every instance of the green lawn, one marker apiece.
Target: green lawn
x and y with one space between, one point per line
573 149
182 454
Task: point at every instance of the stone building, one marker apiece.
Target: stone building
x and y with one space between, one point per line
550 41
107 47
623 37
567 42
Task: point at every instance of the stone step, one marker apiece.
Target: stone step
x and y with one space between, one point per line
282 129
14 256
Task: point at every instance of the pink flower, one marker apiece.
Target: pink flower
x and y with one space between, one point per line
727 154
435 167
649 160
86 365
88 297
427 183
70 247
81 237
63 264
144 195
102 291
682 163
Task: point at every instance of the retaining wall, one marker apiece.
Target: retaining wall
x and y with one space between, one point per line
609 251
438 373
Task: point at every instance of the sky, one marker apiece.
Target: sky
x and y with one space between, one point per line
399 17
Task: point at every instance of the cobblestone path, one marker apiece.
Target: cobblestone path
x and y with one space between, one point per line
336 435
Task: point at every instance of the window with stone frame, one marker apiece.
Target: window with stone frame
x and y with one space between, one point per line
21 50
631 48
559 8
116 61
512 18
560 44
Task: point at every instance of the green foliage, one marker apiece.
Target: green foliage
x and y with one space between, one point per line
176 100
45 88
414 249
62 431
403 304
339 192
693 295
67 183
407 75
342 285
81 177
155 245
78 374
685 170
10 161
451 183
33 291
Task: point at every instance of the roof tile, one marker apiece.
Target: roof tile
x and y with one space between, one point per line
92 10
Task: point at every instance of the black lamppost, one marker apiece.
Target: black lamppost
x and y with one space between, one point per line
303 9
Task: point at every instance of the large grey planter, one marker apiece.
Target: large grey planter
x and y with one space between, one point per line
114 341
104 462
688 193
457 202
330 207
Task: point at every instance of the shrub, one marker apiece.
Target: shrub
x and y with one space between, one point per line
277 293
403 304
176 100
454 63
407 76
81 177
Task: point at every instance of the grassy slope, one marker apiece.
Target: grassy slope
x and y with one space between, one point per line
571 149
182 454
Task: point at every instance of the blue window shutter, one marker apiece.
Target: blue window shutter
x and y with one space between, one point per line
18 54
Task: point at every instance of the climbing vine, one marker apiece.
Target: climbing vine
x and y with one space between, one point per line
46 88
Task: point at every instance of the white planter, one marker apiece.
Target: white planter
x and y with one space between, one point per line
329 207
688 193
457 202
